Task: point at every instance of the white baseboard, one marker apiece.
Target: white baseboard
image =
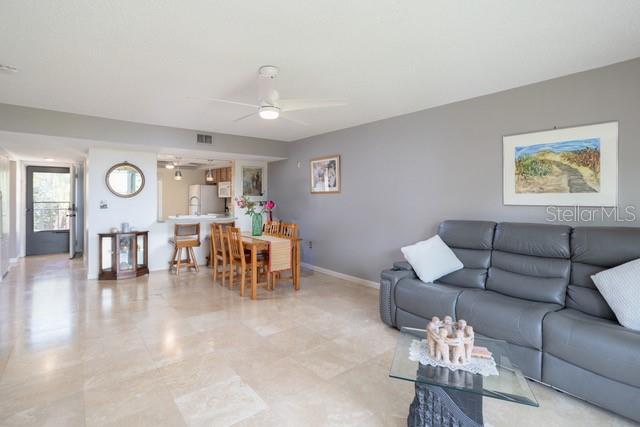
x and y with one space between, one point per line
13 260
354 279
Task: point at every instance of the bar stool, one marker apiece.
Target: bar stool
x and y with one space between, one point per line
186 236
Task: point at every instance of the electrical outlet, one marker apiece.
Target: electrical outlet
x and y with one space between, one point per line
310 244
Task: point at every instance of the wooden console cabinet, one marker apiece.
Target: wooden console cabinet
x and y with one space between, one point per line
123 255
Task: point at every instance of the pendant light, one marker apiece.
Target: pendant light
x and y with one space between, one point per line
209 175
178 173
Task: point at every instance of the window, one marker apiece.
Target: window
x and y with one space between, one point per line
51 201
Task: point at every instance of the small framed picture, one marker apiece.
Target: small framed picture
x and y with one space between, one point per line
325 174
252 181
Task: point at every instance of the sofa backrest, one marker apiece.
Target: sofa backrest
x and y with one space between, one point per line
471 241
531 261
595 249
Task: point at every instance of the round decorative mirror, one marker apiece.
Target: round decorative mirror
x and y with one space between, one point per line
125 180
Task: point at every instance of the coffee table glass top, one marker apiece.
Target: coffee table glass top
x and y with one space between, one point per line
509 385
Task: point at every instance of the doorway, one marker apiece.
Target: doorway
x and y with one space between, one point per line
50 210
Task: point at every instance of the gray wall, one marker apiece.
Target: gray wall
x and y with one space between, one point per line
402 176
15 118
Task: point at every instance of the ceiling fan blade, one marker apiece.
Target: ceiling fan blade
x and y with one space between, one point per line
255 113
308 104
224 101
289 119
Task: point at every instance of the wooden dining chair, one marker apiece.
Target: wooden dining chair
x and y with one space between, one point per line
287 231
272 228
240 260
218 252
187 237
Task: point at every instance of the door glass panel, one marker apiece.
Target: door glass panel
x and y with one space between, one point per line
106 252
125 260
51 201
140 248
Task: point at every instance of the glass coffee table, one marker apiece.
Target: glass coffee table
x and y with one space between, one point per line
454 398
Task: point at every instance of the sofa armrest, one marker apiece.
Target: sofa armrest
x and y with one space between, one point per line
388 281
402 265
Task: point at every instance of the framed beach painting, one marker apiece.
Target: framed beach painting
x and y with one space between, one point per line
575 166
325 175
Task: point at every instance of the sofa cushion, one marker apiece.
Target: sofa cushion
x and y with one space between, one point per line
426 299
541 240
595 249
529 277
597 345
471 241
531 261
473 275
620 287
467 234
431 259
502 317
582 293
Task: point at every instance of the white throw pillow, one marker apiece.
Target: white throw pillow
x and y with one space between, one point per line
431 259
620 287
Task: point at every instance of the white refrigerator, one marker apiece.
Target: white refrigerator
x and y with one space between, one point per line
203 200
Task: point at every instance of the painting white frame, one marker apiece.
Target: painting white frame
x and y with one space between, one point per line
326 190
261 194
608 194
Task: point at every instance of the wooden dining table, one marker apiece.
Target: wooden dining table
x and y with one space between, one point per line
254 244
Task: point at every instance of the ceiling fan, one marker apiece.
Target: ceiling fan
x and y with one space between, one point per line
270 106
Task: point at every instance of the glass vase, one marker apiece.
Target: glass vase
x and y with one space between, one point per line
256 224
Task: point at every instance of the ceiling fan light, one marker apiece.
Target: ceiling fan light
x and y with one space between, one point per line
178 175
268 112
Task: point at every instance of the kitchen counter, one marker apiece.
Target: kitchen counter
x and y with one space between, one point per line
160 250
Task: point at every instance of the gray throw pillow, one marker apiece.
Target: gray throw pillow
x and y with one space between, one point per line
620 287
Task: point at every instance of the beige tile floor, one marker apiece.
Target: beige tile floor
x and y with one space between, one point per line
159 351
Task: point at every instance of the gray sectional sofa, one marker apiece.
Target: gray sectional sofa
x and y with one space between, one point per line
530 285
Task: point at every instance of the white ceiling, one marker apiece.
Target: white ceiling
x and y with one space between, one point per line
140 60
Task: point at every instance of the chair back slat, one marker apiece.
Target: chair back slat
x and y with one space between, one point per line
217 238
289 230
236 248
272 228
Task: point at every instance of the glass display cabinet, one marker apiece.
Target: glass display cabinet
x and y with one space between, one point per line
123 255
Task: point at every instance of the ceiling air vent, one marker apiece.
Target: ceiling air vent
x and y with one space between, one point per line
204 139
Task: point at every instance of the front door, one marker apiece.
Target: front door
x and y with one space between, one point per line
48 209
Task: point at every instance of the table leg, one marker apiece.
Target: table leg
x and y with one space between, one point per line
437 407
296 269
254 272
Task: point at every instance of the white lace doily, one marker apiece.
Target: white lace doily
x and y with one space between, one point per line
419 352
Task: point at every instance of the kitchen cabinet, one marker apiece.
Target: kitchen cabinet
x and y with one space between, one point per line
219 175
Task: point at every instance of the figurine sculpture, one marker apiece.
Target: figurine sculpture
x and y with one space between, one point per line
433 328
468 343
442 347
449 341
